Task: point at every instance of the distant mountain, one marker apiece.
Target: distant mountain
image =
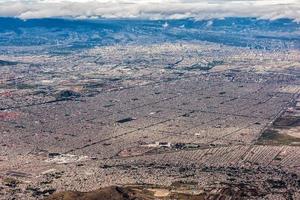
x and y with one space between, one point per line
69 34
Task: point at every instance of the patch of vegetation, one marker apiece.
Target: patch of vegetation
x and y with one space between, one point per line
19 86
290 121
182 183
67 95
93 85
273 137
10 182
24 86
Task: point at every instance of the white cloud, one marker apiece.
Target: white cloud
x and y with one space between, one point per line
151 9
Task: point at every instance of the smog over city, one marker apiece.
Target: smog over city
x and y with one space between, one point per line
149 99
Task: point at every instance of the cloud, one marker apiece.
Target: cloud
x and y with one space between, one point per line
151 9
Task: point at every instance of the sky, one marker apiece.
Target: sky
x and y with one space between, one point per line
151 9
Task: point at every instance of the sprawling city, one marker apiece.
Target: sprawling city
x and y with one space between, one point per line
149 109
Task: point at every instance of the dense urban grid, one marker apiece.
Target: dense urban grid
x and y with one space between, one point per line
199 120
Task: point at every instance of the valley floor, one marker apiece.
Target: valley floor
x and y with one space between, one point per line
169 119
